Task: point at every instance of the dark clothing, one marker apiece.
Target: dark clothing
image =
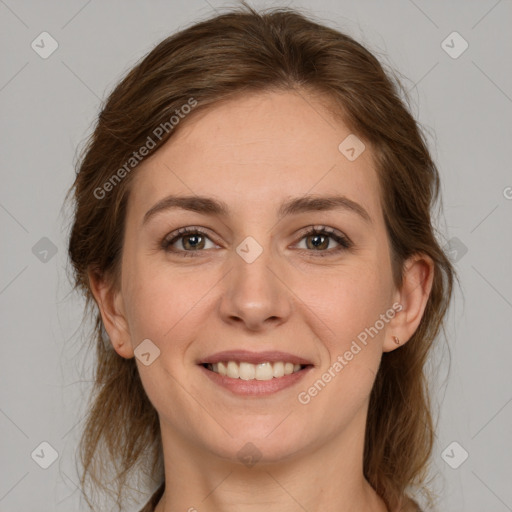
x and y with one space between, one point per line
152 503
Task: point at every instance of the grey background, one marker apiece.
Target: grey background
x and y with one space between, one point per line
48 107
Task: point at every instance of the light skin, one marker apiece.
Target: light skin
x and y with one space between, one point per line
254 153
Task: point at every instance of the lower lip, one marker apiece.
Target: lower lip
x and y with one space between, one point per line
256 387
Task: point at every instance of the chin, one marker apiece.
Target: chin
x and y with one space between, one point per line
260 445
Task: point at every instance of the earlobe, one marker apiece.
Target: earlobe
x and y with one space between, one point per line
111 307
413 296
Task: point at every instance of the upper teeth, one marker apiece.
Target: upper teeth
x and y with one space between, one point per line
249 371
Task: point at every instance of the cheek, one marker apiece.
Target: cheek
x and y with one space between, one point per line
348 302
348 322
166 306
153 302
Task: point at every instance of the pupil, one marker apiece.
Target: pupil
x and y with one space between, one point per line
317 237
193 237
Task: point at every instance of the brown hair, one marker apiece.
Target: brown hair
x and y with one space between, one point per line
214 60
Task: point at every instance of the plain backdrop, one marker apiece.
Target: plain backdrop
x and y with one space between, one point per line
455 61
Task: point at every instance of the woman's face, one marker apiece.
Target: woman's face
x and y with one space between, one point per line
254 281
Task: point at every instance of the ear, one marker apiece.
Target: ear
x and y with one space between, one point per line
417 281
111 306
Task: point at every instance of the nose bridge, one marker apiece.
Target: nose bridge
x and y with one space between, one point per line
254 293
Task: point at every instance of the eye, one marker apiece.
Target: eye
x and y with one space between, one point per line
320 236
192 240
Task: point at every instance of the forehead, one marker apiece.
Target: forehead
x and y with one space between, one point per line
257 149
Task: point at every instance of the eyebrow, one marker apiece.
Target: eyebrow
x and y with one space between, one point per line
293 206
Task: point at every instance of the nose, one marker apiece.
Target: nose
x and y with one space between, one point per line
255 294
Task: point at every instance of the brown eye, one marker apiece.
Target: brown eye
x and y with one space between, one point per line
192 240
319 239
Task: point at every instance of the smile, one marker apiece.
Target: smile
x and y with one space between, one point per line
248 371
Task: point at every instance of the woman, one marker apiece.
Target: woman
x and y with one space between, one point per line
253 232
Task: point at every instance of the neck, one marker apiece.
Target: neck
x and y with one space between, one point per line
327 478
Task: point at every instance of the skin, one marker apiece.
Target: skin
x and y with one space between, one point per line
253 153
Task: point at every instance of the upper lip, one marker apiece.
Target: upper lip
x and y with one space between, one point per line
254 357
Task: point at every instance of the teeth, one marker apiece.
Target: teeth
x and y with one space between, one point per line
249 371
278 369
221 368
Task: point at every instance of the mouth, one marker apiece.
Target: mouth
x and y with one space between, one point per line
248 371
254 374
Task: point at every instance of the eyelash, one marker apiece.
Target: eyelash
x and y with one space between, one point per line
343 241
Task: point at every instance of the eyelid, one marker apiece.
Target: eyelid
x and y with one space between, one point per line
321 228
